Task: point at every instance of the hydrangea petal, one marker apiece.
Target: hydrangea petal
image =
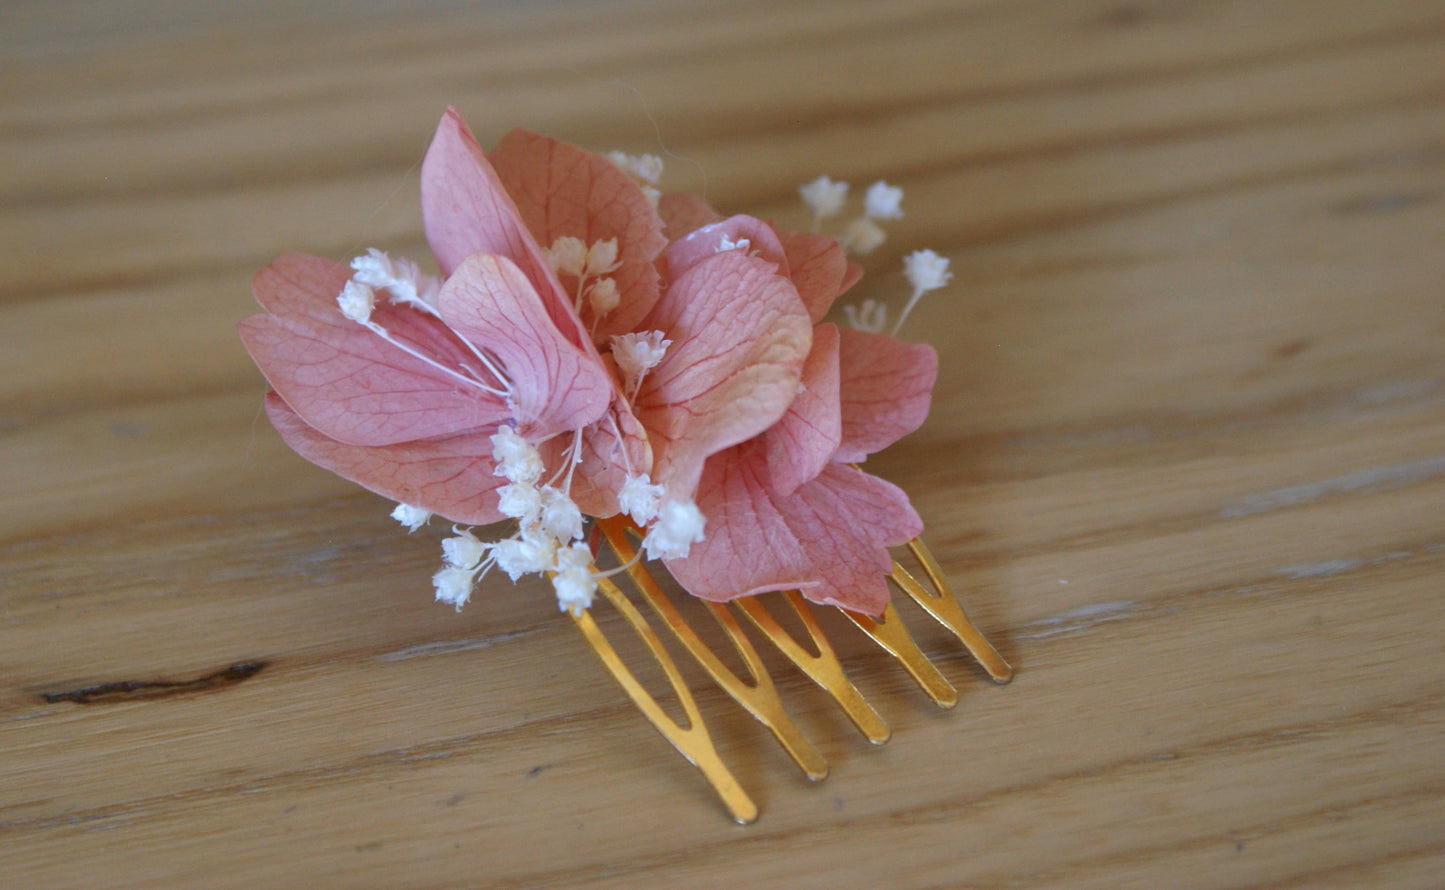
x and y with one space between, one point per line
802 443
739 337
344 379
555 385
704 242
886 386
559 190
449 476
466 210
818 268
684 212
828 539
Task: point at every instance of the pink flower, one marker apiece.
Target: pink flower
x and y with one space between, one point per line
786 509
675 373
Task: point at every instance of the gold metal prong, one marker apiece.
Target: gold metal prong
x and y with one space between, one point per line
759 697
889 631
944 606
823 668
692 741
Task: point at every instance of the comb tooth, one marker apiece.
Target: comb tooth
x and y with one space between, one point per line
823 668
760 697
890 632
692 741
944 606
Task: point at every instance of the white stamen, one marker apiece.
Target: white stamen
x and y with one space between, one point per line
411 517
882 200
729 244
824 197
356 302
679 525
640 499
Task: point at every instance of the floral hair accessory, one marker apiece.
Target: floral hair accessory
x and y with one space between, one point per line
601 361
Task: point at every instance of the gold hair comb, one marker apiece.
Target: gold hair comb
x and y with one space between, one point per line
757 693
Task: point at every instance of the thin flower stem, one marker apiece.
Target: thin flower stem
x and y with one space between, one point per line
912 301
385 335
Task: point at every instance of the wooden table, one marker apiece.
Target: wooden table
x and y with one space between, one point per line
1186 460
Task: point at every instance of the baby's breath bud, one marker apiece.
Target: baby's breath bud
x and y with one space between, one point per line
463 551
356 302
516 459
602 257
520 501
824 196
411 517
640 499
574 582
679 525
862 236
603 296
926 270
881 201
567 255
560 517
453 585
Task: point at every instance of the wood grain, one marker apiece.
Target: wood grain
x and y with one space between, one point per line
1186 461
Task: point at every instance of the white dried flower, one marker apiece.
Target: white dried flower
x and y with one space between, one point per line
567 255
679 525
520 500
637 353
824 196
729 244
603 296
517 460
574 582
640 499
464 551
882 201
401 277
862 236
560 517
453 585
411 517
524 555
926 270
356 302
602 257
647 168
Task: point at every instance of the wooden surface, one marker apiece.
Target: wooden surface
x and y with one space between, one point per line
1186 461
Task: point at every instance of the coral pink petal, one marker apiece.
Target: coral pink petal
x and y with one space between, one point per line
802 443
886 387
560 190
466 210
555 385
684 212
739 337
828 539
346 380
450 476
818 268
702 243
